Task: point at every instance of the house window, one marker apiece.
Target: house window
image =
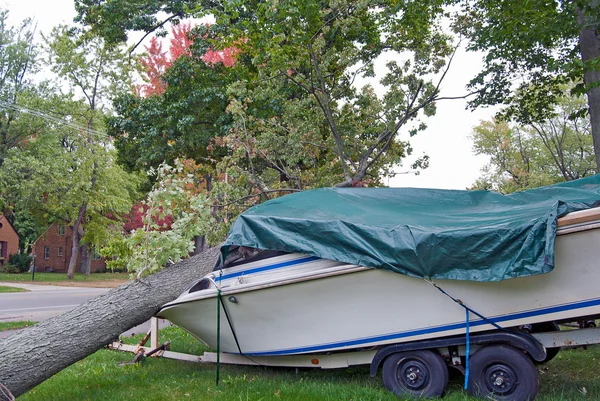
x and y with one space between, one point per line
96 256
2 246
60 251
61 229
46 252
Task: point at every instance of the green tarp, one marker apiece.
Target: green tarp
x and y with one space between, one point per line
445 234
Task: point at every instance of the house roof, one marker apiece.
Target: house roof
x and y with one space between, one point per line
4 219
33 244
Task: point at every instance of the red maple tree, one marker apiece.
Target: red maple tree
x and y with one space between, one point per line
158 61
134 219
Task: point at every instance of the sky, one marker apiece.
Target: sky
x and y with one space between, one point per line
453 165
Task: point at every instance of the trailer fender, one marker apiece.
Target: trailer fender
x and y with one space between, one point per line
515 339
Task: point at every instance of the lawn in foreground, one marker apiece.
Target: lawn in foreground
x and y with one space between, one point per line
572 375
11 289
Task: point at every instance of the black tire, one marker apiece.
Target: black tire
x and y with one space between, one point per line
419 374
543 328
501 372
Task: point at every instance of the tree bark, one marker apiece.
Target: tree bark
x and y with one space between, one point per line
37 353
86 260
589 48
75 243
200 244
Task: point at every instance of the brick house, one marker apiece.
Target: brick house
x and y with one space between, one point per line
9 240
52 251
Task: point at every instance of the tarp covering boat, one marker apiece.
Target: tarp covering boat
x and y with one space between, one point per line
444 234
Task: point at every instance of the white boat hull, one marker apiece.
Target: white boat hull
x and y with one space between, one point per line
321 306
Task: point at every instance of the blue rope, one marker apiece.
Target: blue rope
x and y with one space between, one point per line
467 326
468 352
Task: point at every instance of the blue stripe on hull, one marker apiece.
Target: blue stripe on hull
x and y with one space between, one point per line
455 326
268 267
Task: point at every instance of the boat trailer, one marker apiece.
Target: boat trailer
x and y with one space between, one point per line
411 356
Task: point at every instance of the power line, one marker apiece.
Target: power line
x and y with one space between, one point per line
47 117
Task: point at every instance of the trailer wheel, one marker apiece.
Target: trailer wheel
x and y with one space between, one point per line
501 372
543 328
416 374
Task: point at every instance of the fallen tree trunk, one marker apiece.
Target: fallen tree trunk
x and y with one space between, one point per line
35 354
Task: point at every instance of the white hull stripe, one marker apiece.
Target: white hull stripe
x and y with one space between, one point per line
439 329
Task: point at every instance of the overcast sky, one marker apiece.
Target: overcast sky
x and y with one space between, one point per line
446 140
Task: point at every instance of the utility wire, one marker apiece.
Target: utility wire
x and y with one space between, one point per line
15 107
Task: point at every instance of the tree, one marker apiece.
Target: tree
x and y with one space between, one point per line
112 19
181 107
322 48
17 59
538 46
40 351
95 69
175 212
540 153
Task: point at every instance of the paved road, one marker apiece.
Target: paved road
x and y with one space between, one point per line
43 302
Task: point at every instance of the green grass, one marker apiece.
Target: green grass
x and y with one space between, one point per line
11 289
15 325
572 375
58 277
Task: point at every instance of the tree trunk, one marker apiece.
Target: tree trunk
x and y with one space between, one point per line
200 244
589 48
36 353
75 242
86 260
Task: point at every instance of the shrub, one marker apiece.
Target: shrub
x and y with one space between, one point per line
20 261
8 268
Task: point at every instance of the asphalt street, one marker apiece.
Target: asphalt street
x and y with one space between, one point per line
43 302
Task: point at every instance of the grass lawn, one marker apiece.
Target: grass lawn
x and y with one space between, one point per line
94 279
11 289
15 325
572 375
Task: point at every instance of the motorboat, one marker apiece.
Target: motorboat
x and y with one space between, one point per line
411 281
286 303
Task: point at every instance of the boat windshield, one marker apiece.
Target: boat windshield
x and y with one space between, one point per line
240 255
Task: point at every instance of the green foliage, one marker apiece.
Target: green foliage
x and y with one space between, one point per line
27 227
112 19
531 42
295 116
149 249
179 123
21 261
529 156
10 269
17 60
315 51
88 64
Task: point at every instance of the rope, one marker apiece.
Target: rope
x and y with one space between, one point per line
467 326
458 301
237 343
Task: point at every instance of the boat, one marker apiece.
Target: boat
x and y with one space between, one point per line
274 302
